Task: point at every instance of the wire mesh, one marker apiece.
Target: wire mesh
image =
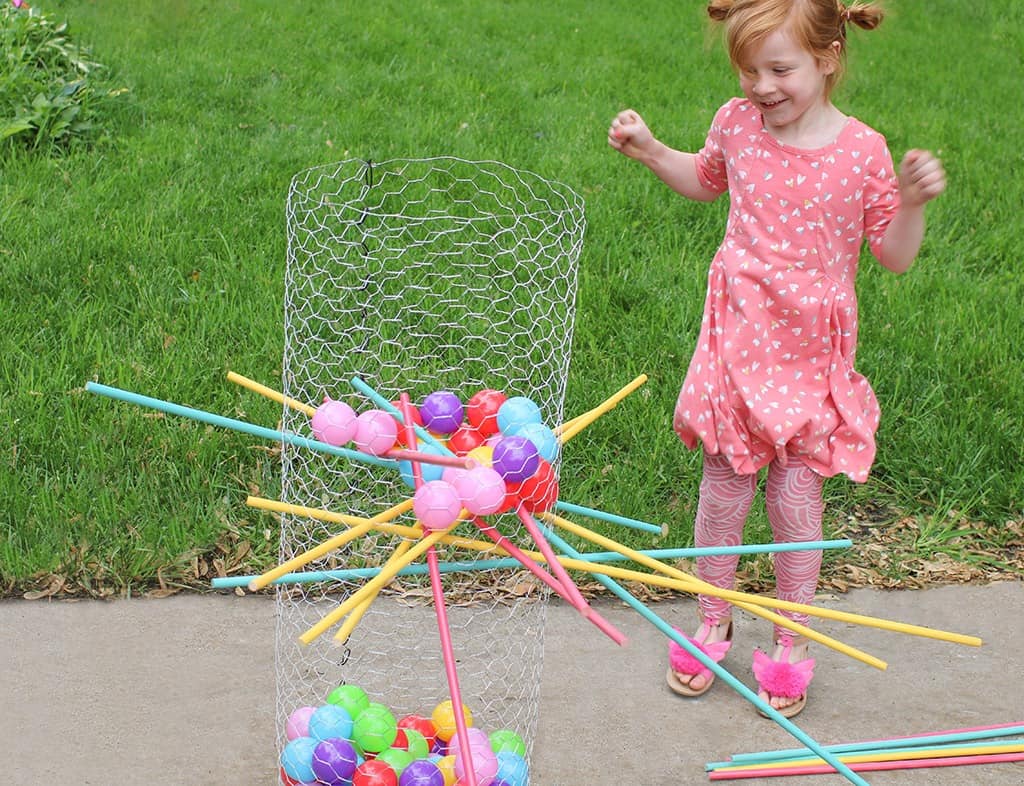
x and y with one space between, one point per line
419 275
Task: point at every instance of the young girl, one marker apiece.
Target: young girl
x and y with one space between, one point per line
772 380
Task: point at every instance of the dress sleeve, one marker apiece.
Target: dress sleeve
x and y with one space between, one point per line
711 158
881 195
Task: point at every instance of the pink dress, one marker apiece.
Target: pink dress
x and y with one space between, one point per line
773 372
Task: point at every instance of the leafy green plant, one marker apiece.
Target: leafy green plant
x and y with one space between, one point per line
51 93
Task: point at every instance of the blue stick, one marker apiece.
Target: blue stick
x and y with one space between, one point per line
610 517
237 425
708 663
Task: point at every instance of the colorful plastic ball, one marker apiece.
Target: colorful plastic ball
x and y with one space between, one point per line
539 492
350 698
437 504
334 761
482 410
414 742
464 439
428 471
447 766
330 721
376 432
374 772
420 724
484 762
541 436
297 724
517 412
443 718
397 758
512 769
515 459
481 489
507 740
374 729
297 759
441 412
421 772
477 739
334 422
483 455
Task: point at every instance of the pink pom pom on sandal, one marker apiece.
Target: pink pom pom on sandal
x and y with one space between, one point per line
782 678
680 661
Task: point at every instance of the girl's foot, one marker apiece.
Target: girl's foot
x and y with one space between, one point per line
686 675
783 678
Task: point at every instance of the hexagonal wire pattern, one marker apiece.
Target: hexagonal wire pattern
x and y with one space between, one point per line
419 276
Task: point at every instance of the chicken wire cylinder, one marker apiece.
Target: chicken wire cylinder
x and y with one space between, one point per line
418 276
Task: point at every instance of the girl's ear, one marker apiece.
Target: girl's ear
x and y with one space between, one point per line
830 62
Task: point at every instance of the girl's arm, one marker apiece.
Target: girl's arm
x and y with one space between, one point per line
630 135
921 179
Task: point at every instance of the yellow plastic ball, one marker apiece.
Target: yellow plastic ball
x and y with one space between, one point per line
443 719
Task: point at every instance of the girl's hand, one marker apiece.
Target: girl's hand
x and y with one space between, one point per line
629 134
921 178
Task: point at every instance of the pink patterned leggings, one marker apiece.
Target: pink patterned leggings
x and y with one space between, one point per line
794 506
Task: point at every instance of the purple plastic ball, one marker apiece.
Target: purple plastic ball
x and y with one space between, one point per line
421 772
334 761
515 459
441 412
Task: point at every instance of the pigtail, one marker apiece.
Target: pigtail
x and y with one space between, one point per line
718 10
866 16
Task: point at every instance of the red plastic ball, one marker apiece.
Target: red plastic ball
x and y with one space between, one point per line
374 773
482 410
418 723
417 419
539 492
464 439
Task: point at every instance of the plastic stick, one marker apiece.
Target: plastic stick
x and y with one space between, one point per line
329 545
739 597
948 735
714 667
579 510
870 766
582 421
236 425
263 390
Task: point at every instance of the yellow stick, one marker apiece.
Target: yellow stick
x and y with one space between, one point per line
357 613
857 758
704 588
329 516
263 390
328 545
371 587
567 432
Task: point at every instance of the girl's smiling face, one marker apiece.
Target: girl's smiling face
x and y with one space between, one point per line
786 83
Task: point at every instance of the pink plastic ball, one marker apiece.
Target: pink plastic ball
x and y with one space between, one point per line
436 504
334 422
376 432
485 765
481 489
298 723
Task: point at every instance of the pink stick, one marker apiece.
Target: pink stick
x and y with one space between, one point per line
600 622
437 591
429 458
868 766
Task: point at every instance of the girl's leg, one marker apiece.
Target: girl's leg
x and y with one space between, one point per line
794 506
722 508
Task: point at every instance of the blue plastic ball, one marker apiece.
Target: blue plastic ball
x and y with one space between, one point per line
541 436
430 471
516 412
329 721
297 759
512 769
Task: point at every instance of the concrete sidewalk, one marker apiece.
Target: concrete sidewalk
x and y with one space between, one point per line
181 691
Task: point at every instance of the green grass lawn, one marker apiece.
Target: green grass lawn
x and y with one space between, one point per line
155 261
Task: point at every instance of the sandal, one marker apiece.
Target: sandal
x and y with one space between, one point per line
782 678
682 662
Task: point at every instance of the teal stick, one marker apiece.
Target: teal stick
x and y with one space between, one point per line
612 518
310 576
236 425
874 745
708 663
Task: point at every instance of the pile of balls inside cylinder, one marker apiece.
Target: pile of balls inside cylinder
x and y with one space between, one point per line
509 448
352 741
